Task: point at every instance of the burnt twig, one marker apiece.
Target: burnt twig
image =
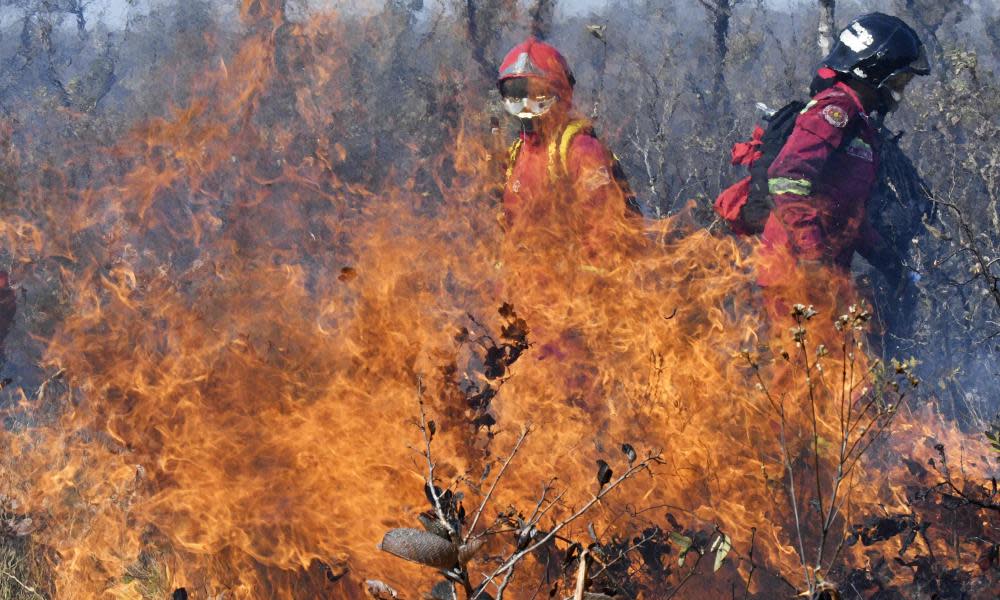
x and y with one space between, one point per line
493 486
515 558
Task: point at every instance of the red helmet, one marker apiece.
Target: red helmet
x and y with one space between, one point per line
532 58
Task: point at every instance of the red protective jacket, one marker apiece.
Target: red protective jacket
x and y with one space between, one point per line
563 184
821 183
539 177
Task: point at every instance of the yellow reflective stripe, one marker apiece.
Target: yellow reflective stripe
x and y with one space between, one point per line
558 150
782 185
860 143
515 149
809 105
567 138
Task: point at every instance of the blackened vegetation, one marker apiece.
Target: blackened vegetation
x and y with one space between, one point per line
957 515
604 472
24 570
514 334
878 529
905 554
490 358
479 548
659 560
649 551
13 522
483 550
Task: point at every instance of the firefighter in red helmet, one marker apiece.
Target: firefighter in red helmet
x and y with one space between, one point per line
568 215
558 170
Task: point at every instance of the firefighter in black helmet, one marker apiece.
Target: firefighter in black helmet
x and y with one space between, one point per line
824 177
878 55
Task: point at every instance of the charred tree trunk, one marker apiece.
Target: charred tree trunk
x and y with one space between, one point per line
484 24
541 18
827 25
720 12
720 37
476 38
260 10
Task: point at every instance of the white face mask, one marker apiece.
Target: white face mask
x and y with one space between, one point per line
529 108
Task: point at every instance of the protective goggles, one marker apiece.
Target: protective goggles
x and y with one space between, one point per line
529 107
527 98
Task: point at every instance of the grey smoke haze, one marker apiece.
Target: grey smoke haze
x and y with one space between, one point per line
114 14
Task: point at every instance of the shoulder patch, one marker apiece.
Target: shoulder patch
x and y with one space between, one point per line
835 116
858 148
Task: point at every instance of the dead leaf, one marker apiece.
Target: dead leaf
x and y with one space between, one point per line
421 547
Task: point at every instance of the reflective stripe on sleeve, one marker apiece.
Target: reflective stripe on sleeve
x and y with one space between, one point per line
782 185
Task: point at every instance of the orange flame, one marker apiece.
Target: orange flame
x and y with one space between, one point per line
244 330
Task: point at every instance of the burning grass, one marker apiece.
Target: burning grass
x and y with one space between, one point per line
241 321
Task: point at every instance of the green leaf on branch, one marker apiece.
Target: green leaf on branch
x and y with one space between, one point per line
721 546
683 544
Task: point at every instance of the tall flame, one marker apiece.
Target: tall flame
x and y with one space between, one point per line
236 365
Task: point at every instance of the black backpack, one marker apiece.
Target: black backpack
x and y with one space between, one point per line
903 201
779 128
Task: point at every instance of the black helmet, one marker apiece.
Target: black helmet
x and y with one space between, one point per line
875 47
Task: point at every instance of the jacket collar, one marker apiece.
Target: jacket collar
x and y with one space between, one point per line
855 98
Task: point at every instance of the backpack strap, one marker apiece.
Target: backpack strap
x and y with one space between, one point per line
559 161
559 147
758 206
512 153
558 150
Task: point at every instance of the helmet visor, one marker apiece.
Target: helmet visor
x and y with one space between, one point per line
920 65
527 98
528 107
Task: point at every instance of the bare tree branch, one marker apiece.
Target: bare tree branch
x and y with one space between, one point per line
827 25
493 487
27 588
551 534
432 489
